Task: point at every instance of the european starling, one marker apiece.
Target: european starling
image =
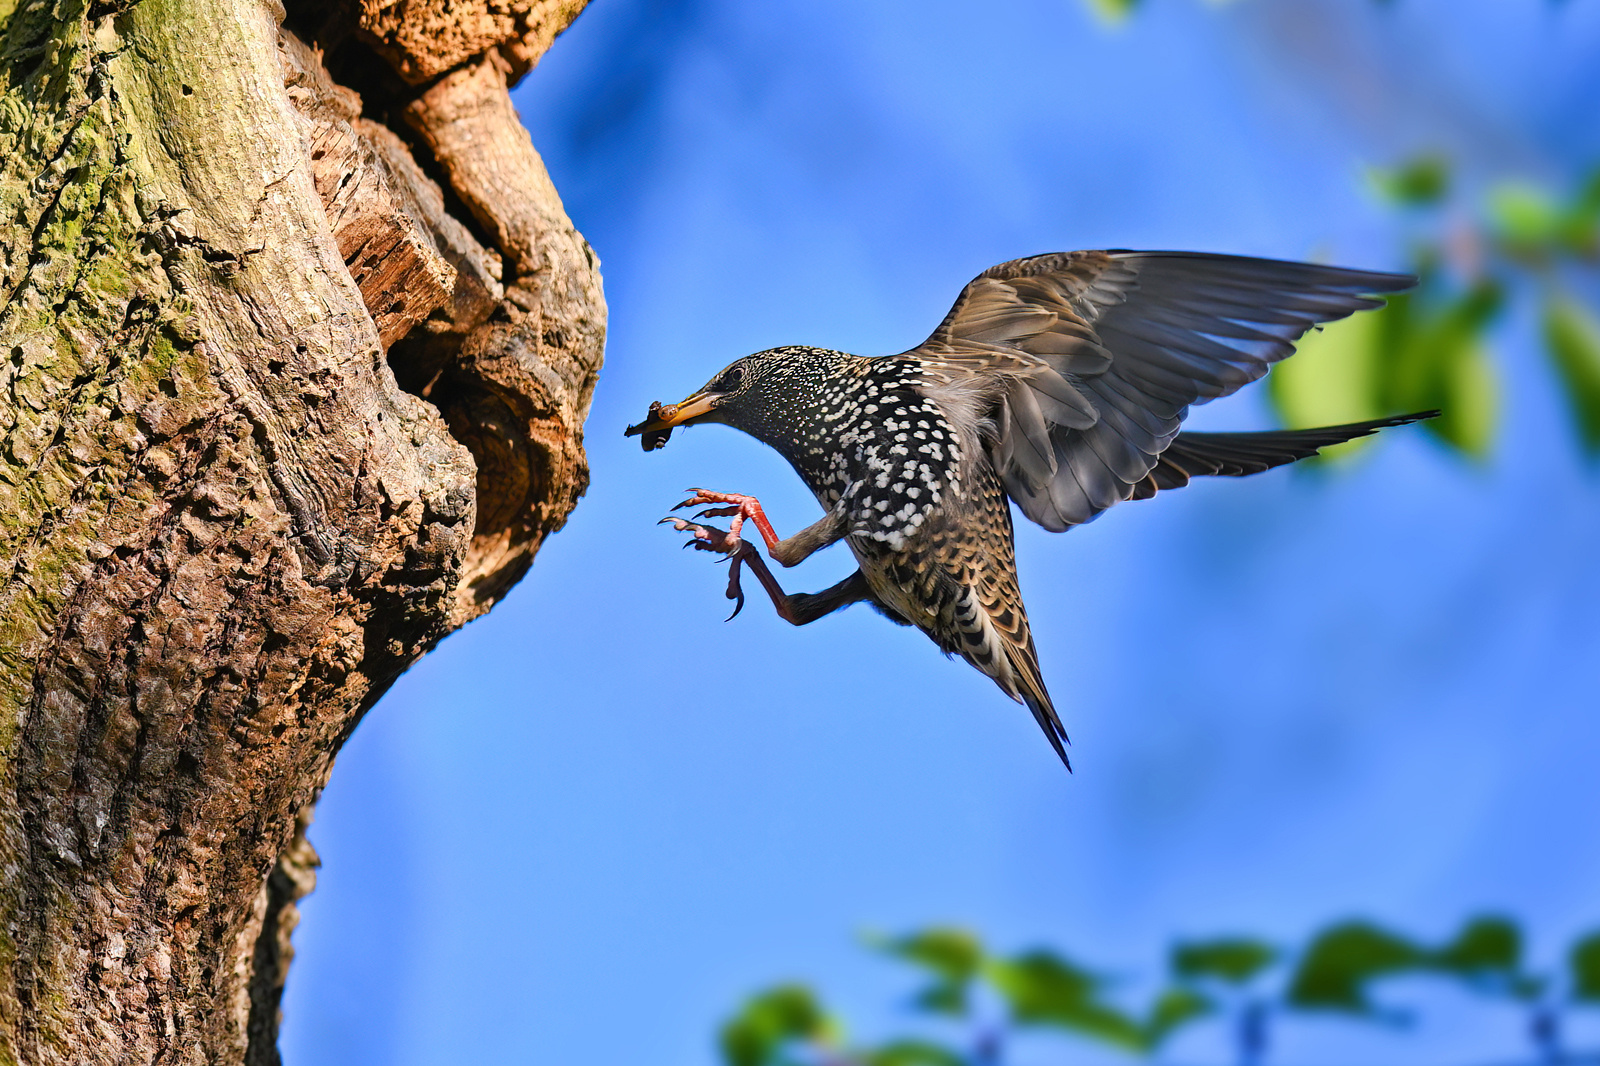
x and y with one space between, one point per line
1058 382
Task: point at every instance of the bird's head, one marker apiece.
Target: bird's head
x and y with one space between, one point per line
759 394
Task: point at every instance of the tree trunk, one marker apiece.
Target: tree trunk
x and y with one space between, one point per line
297 344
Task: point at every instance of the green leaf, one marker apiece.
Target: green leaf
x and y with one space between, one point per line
1432 355
1427 328
1173 1009
1584 961
951 953
1337 967
1233 960
1573 338
1528 220
1531 226
1044 989
1420 182
1471 401
954 956
1113 11
1588 199
769 1022
1038 983
1331 378
911 1053
943 997
1580 223
1487 954
1489 945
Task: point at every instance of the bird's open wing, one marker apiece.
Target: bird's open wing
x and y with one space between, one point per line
1090 360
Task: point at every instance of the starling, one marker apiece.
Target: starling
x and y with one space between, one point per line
1058 382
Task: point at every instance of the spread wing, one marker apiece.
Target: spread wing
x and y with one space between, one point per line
1087 362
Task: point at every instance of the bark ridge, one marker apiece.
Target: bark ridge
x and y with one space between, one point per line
296 343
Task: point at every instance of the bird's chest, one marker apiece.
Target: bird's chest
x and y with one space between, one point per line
892 468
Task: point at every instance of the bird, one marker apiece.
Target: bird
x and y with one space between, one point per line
1058 383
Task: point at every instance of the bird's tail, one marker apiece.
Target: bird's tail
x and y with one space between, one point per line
1030 691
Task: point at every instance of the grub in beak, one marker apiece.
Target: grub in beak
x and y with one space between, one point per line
659 423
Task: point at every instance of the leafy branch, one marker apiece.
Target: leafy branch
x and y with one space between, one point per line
1428 348
1249 984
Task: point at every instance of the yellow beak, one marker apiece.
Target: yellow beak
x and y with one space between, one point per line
658 425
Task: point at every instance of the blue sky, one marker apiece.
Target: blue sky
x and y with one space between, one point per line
590 823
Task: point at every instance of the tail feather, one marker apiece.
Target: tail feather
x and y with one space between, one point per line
1242 454
1032 694
991 632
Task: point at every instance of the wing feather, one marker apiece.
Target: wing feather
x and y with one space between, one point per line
1090 360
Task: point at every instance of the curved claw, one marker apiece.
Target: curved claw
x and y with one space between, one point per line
735 592
725 542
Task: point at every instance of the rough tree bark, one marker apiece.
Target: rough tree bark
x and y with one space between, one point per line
296 344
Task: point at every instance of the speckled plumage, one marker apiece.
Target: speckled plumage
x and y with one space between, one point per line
1058 383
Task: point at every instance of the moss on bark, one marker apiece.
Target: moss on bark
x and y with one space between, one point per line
224 528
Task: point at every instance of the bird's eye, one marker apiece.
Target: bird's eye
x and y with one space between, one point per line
732 378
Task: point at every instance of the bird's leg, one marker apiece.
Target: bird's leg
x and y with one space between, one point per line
788 551
797 609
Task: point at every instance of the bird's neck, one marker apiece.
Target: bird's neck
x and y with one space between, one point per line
824 419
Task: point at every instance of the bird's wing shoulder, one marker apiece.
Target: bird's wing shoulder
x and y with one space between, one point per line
1087 362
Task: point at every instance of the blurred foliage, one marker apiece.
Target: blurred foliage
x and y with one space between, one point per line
952 956
1341 963
1584 962
1423 182
1249 984
1230 960
1573 337
772 1024
1478 260
1429 347
1113 10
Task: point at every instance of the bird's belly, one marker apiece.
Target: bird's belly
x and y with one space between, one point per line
912 581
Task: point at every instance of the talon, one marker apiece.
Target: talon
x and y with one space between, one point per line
735 592
738 509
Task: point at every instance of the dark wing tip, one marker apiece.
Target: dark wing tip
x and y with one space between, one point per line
1346 278
1354 430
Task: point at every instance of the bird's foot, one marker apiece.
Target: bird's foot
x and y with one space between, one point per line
726 542
739 508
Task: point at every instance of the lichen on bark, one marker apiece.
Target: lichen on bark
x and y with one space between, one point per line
225 527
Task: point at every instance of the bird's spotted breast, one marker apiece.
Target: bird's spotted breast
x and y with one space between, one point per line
887 451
